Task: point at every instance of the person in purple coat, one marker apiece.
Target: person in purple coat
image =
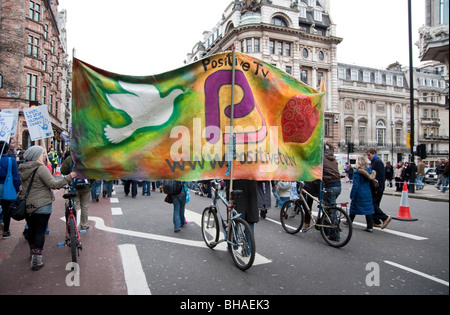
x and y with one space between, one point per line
361 193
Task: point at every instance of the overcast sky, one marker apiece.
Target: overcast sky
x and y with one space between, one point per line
145 37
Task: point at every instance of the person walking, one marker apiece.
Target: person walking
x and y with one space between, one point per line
389 173
4 162
420 174
40 199
361 194
398 176
283 189
445 177
380 218
179 208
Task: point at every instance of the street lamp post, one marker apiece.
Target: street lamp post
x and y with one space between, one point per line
411 98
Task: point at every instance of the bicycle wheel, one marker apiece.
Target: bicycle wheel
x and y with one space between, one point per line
336 227
73 239
242 244
292 216
210 227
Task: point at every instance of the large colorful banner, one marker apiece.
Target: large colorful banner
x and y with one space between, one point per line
176 125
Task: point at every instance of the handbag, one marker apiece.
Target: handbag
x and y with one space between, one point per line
18 208
9 191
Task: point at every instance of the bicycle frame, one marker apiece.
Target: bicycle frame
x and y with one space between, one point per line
232 214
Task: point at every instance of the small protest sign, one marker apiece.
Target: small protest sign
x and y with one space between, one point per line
38 122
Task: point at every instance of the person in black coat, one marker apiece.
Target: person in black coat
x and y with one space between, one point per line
380 219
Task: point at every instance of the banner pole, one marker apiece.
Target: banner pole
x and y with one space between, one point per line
233 143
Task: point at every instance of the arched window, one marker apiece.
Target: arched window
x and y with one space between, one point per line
279 21
381 133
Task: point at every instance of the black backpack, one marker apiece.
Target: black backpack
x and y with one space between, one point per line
172 187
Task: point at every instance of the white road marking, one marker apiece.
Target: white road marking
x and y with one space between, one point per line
411 236
134 274
100 224
114 200
116 211
417 272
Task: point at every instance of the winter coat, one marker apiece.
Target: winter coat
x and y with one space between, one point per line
41 193
361 194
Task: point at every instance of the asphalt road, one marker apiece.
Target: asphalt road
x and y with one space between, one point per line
131 249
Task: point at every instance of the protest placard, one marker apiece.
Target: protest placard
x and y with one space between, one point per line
38 122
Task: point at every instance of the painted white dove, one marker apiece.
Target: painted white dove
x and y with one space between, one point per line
145 107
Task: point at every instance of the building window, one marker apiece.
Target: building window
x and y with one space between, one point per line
312 3
341 73
398 137
46 31
318 15
249 45
304 76
321 56
378 78
302 12
362 135
287 49
444 7
256 47
272 47
366 76
279 22
288 69
280 48
1 81
305 53
354 75
319 77
44 95
33 46
53 47
34 12
389 80
44 63
348 134
381 133
400 81
327 128
31 87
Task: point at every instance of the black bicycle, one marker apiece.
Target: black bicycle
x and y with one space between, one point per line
333 222
237 232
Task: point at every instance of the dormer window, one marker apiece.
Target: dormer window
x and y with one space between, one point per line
317 15
312 3
279 22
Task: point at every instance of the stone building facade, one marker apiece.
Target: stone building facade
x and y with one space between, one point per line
33 65
364 106
295 36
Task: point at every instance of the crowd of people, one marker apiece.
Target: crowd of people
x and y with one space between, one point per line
365 197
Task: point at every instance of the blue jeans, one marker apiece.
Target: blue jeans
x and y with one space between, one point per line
331 196
445 185
146 187
108 187
419 182
96 187
179 203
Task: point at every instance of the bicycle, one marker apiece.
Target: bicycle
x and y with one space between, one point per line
238 236
333 222
72 239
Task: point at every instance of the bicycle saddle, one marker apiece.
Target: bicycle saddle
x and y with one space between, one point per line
69 195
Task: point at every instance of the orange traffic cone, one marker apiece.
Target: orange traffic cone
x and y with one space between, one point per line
403 213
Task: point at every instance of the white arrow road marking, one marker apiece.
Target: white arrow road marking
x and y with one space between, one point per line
192 216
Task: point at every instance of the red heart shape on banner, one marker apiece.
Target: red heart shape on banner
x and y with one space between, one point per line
299 119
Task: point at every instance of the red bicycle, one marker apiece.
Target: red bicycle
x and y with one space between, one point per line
73 239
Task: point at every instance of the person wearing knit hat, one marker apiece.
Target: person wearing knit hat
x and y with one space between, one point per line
33 153
40 199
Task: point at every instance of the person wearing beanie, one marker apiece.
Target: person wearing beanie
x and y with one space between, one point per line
40 199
